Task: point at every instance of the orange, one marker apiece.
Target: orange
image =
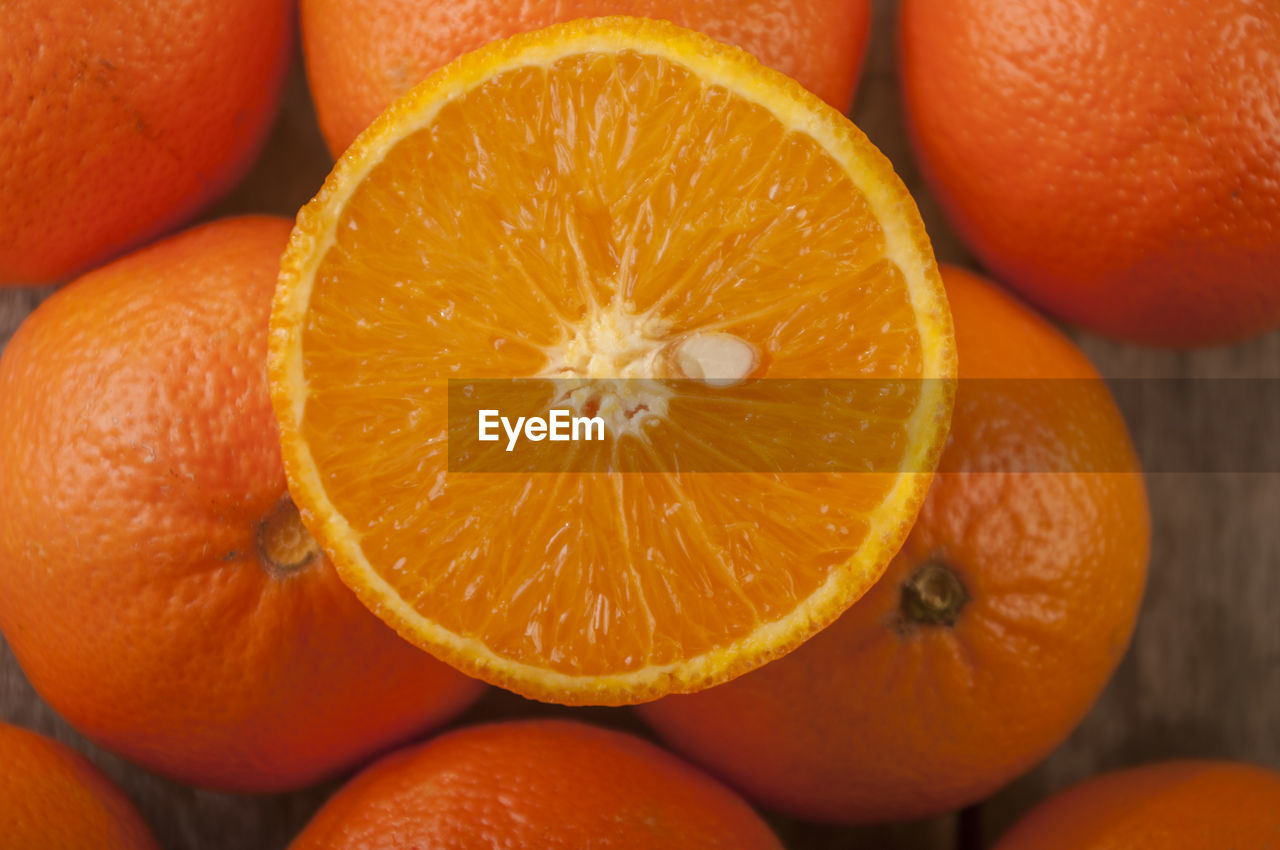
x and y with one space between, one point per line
362 55
532 785
119 120
650 204
52 798
1174 805
1115 161
155 583
993 630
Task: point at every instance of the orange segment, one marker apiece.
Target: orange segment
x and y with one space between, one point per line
613 198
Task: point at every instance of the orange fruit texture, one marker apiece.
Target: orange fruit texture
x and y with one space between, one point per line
156 584
993 630
1115 161
617 201
363 54
52 798
1174 805
119 119
533 785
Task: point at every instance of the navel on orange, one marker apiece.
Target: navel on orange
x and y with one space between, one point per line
608 198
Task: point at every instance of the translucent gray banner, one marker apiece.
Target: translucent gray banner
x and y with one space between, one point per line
860 425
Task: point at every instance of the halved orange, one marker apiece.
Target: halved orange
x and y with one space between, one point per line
609 198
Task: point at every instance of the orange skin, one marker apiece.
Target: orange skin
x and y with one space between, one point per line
363 54
139 463
120 120
1116 161
891 714
535 785
52 798
1174 805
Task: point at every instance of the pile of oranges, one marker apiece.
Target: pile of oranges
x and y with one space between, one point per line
234 549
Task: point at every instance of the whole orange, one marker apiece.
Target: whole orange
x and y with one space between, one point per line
156 583
532 785
52 798
363 54
1176 805
1116 161
995 627
120 119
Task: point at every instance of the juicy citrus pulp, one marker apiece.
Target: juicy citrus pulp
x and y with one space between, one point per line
609 198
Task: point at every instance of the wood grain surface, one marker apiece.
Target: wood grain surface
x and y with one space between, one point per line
1201 679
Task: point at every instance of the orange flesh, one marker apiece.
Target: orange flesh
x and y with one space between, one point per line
483 244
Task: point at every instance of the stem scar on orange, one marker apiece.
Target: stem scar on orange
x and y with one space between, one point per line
994 629
569 204
156 583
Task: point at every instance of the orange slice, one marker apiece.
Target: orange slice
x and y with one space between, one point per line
610 198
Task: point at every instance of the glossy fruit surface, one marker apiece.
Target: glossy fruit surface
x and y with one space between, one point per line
52 798
996 625
155 582
1116 161
533 785
363 54
119 120
580 238
1175 805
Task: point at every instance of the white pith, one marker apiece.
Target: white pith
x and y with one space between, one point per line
616 363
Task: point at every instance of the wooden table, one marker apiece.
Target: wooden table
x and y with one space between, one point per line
1202 677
